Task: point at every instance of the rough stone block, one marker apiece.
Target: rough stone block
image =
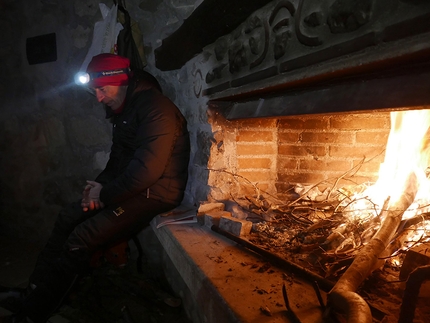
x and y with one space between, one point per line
210 207
235 226
213 217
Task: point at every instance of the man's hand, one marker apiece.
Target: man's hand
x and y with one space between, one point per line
91 196
85 203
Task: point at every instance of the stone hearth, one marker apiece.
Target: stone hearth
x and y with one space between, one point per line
220 281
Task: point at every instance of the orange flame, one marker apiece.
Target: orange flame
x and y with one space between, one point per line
407 152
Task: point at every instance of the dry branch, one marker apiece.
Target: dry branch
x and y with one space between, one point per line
343 296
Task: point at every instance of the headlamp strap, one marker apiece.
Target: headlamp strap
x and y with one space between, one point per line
96 75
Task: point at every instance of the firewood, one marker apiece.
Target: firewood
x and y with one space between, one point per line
343 296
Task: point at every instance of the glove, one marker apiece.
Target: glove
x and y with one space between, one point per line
91 196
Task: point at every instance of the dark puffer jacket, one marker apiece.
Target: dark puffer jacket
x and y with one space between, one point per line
150 150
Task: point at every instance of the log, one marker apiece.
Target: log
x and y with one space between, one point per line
343 297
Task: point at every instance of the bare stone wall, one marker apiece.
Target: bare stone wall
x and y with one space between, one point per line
54 135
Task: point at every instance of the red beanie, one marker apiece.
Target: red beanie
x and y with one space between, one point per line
108 62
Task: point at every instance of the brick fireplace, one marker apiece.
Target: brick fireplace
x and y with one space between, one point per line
276 153
271 155
301 91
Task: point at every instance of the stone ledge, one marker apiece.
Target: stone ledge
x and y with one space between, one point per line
227 283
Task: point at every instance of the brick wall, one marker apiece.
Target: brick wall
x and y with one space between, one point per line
273 154
312 149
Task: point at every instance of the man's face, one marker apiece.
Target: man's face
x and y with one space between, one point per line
111 95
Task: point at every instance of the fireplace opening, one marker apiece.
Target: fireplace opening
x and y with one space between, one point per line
303 97
342 195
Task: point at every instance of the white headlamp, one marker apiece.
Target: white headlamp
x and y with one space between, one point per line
82 78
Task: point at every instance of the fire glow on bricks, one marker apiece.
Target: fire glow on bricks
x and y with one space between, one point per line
348 233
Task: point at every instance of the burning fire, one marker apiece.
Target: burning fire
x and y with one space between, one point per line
347 233
407 153
403 171
334 225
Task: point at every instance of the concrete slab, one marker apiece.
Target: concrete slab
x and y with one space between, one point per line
228 283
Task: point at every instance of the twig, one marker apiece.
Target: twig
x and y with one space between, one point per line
355 200
258 190
318 293
300 218
357 167
304 194
290 311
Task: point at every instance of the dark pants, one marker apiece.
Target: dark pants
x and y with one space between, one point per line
75 237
